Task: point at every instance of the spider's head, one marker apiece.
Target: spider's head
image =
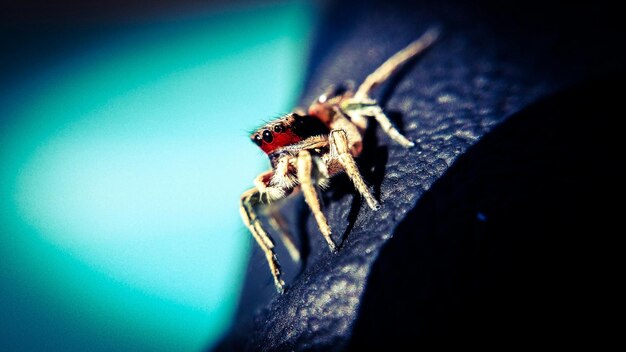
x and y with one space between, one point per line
287 130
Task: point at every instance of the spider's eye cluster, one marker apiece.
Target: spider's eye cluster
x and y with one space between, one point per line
276 134
266 135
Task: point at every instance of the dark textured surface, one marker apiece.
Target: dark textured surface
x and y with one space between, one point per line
492 62
511 245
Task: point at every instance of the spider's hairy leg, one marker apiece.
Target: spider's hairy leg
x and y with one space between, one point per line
395 63
361 105
387 127
249 216
305 169
343 122
339 151
279 225
360 110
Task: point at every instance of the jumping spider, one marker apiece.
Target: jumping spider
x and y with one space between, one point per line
306 149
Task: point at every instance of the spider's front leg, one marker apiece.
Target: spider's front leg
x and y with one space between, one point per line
305 165
249 200
339 151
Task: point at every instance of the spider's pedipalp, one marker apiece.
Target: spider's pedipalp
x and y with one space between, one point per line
323 178
282 179
305 169
339 151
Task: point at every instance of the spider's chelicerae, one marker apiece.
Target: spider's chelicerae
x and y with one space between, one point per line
306 149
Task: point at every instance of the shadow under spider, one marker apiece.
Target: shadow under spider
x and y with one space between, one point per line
302 214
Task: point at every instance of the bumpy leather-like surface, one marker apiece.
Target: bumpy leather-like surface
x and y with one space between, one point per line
492 62
511 245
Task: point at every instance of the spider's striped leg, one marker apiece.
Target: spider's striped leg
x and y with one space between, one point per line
249 216
360 105
395 63
305 169
359 111
387 126
339 151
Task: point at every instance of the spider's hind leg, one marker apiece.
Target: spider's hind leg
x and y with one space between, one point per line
339 151
396 62
359 111
360 105
387 126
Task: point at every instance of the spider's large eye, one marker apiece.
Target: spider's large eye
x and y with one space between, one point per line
257 140
278 128
267 136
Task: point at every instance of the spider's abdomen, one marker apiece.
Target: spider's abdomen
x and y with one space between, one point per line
309 126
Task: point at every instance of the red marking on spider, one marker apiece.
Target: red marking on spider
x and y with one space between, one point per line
278 140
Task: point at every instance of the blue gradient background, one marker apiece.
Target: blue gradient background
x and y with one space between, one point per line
123 158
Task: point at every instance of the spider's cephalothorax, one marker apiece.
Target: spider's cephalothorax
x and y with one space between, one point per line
288 130
307 148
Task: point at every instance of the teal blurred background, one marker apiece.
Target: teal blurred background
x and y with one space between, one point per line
123 152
